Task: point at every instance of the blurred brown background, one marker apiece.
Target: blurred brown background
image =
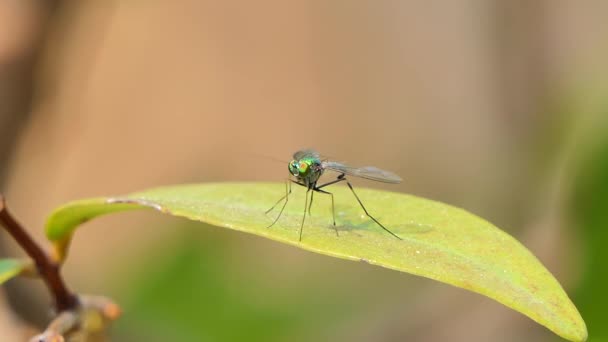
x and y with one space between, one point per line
487 105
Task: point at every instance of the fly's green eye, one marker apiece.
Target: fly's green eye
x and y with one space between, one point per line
293 168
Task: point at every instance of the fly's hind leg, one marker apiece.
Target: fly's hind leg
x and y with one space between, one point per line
368 214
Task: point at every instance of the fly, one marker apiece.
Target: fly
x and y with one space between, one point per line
307 167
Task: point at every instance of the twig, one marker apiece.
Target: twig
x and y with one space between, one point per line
47 268
90 318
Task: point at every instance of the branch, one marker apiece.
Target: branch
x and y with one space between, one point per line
47 268
89 318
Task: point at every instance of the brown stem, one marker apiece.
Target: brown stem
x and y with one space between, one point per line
48 269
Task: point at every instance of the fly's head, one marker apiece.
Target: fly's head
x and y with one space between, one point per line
306 170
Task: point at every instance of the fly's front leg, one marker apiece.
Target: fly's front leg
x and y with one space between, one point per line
286 198
287 193
310 204
304 216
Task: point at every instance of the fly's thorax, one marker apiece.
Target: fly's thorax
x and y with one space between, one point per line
307 170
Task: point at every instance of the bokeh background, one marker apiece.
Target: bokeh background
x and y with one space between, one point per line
498 107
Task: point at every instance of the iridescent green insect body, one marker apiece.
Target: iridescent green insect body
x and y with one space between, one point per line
307 167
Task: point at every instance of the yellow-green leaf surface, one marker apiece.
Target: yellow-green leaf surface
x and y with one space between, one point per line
440 242
10 268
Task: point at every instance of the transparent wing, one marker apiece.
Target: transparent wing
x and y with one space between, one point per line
367 172
306 153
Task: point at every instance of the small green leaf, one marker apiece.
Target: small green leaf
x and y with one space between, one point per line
440 242
10 268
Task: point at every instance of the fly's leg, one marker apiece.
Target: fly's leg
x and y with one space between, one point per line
304 216
366 213
310 204
287 192
333 210
340 179
286 198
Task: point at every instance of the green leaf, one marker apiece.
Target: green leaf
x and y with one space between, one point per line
440 242
10 268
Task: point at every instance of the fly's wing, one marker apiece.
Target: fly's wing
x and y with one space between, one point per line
367 172
307 153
